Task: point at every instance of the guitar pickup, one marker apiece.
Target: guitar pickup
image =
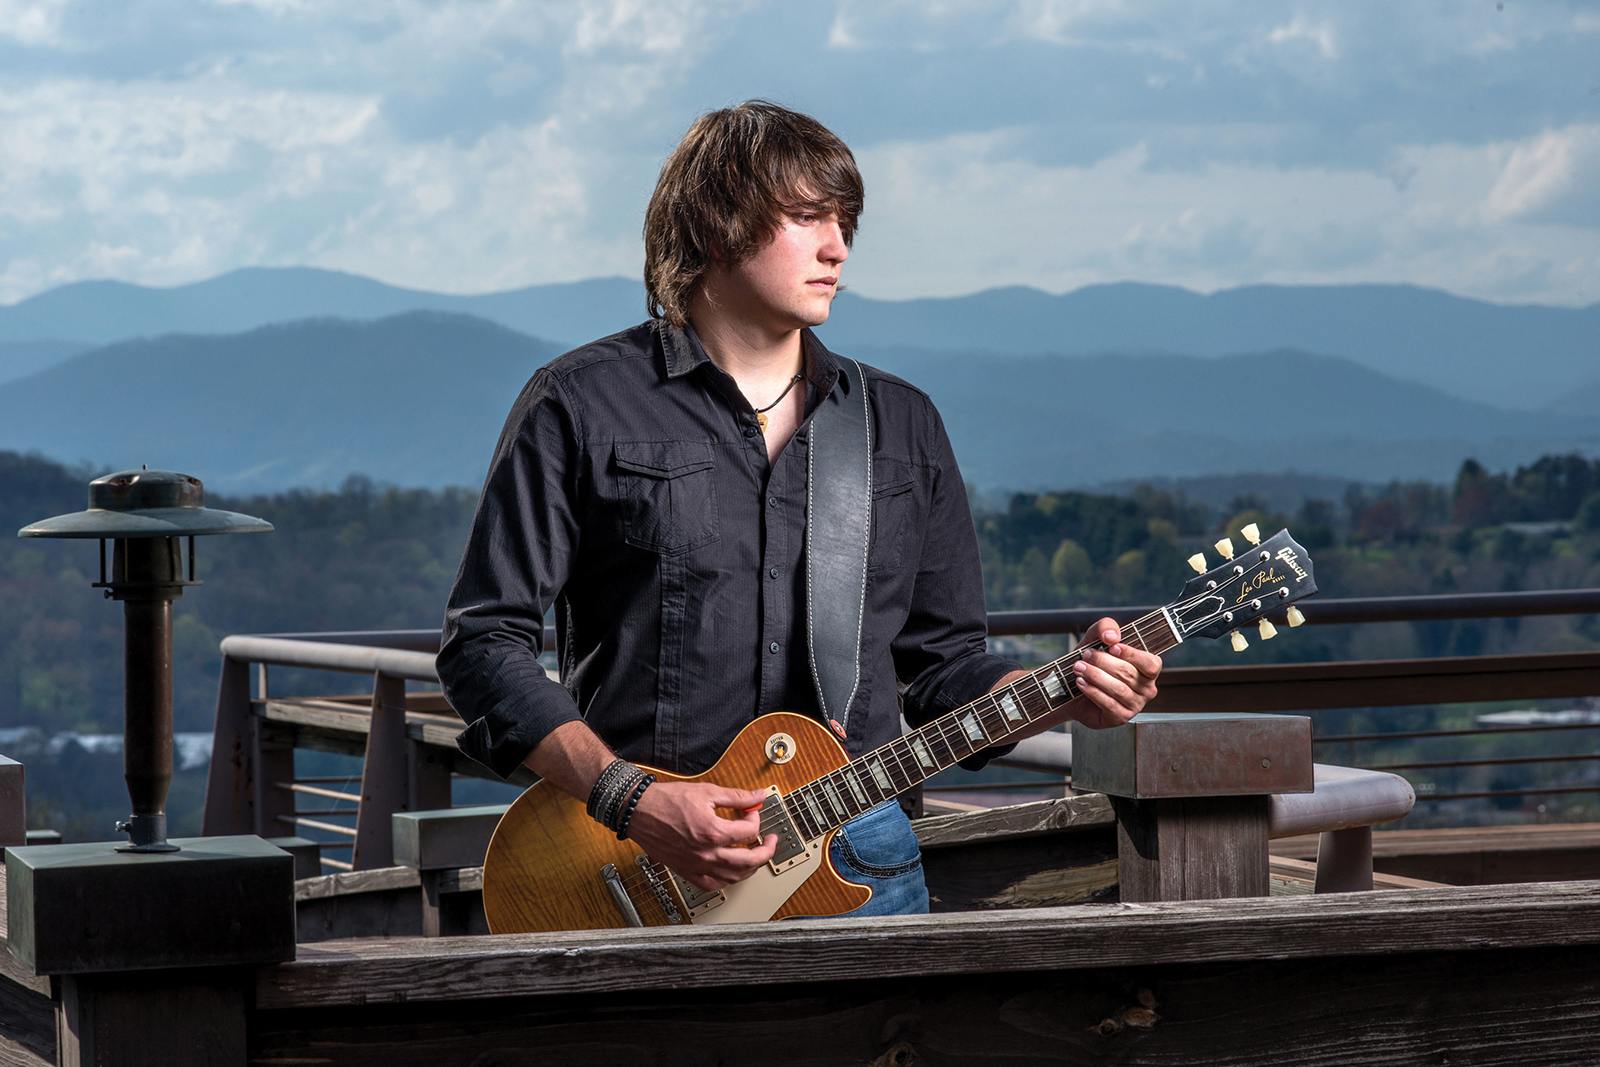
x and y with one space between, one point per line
775 820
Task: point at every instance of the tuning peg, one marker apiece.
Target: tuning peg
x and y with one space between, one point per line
1225 546
1268 631
1295 618
1239 643
1252 533
1198 562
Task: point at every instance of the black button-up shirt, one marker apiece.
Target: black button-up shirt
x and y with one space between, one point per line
631 490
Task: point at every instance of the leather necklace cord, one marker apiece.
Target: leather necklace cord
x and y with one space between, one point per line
761 413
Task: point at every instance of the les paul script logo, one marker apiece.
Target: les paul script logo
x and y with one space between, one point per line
1260 580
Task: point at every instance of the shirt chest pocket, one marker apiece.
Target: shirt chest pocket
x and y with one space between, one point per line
892 503
668 494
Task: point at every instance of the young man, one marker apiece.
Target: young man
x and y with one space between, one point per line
651 486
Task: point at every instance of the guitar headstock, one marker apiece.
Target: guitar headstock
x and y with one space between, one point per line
1268 575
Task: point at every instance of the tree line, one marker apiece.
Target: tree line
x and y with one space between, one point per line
378 557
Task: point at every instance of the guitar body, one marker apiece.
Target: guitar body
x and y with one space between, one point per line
543 871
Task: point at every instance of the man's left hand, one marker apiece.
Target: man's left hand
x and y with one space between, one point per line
1116 682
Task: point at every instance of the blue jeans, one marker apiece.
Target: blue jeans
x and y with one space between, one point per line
878 849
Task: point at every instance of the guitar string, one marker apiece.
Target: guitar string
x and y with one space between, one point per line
1030 686
945 723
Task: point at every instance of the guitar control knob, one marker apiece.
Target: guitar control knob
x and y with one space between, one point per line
780 748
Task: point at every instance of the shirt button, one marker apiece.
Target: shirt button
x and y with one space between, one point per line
772 501
773 648
750 431
773 572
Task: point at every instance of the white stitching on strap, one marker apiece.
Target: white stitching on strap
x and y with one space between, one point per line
866 546
811 516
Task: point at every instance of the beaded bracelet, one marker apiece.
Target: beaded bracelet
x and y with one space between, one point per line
603 785
633 804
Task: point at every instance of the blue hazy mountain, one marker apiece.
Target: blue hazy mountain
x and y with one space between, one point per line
1525 356
416 400
1028 421
18 359
419 398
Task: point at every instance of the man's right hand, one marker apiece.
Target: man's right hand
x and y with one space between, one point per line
677 824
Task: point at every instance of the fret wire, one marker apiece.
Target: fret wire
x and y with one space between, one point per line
906 762
801 817
909 777
898 759
941 736
842 791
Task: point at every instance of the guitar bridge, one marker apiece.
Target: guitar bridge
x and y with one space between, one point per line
663 895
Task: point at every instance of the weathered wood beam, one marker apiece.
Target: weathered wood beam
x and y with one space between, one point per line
1347 924
1527 1007
1088 812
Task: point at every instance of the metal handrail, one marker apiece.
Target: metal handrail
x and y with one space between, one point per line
1325 611
303 650
1330 611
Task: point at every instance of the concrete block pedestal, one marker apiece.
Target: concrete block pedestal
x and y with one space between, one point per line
154 951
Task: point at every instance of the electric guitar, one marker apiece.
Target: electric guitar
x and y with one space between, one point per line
550 867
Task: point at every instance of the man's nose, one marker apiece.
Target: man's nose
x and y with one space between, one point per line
833 249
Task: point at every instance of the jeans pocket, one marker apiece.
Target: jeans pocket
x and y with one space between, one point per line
879 844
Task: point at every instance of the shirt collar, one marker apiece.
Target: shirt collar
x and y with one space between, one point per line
684 352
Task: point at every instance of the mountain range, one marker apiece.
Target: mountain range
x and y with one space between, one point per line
1530 357
418 399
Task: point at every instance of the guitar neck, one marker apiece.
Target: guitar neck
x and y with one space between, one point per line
992 719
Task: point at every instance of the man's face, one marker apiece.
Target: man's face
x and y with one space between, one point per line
791 281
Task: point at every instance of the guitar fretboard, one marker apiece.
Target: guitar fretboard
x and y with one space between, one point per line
992 719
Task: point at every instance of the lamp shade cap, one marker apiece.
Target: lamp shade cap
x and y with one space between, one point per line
146 503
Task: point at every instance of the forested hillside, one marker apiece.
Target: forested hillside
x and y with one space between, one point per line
1537 527
376 557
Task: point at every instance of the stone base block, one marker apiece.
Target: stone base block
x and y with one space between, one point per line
76 909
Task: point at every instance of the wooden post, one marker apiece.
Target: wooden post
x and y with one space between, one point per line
13 804
1344 860
230 783
272 752
384 788
1192 848
1190 793
153 1019
428 777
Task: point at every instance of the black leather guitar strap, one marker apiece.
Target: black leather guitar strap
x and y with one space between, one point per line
838 534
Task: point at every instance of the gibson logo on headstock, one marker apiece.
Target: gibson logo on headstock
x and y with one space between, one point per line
1260 580
1293 562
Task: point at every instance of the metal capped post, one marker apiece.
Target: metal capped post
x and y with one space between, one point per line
145 514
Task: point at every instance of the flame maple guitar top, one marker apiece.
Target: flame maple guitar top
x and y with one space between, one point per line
542 871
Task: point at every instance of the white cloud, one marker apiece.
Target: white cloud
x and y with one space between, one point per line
1555 170
1301 28
32 22
965 213
478 144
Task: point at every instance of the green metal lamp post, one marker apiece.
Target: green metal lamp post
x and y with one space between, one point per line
145 514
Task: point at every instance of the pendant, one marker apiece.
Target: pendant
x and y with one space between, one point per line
761 421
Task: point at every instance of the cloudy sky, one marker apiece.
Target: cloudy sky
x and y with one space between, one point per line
475 145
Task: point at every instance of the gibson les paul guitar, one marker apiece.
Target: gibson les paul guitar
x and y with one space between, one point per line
550 867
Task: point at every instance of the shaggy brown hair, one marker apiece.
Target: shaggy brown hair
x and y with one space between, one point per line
724 192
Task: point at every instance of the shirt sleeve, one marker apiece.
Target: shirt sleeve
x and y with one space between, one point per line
523 540
941 652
